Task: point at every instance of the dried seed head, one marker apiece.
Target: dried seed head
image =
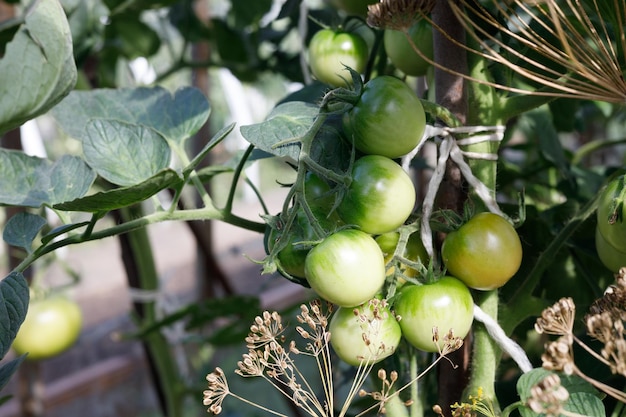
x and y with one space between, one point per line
547 396
397 14
558 357
557 319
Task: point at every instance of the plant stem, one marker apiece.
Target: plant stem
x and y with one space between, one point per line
142 273
137 223
486 353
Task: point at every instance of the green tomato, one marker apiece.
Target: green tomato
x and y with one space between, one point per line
51 327
365 334
445 304
611 257
353 7
330 52
484 253
388 119
380 197
611 213
347 268
401 53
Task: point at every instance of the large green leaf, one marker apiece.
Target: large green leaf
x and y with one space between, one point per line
31 181
14 298
37 69
175 116
122 153
123 196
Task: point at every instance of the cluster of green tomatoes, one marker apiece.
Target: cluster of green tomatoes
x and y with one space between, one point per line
364 263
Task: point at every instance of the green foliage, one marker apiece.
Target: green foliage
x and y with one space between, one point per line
38 56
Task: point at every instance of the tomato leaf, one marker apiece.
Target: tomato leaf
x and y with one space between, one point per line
174 116
282 130
124 196
122 153
30 181
21 230
37 69
14 298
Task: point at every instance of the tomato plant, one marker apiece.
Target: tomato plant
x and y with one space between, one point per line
484 253
445 304
366 334
387 120
380 197
331 51
611 213
347 268
52 326
401 53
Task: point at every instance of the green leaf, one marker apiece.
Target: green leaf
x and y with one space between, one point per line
30 181
175 116
249 12
14 298
37 69
122 153
123 197
7 370
132 37
281 132
584 399
21 230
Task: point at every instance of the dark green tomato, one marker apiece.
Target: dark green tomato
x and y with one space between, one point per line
401 53
388 119
352 7
347 268
611 213
51 326
380 197
446 305
484 253
330 52
366 334
414 251
611 257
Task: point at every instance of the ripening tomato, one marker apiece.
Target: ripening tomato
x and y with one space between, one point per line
330 52
51 326
401 53
388 119
380 197
365 334
347 268
445 304
484 253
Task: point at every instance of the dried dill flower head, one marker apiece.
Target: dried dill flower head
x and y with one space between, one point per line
397 14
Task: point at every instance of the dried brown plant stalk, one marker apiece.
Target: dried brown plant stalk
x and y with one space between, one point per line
582 49
576 53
